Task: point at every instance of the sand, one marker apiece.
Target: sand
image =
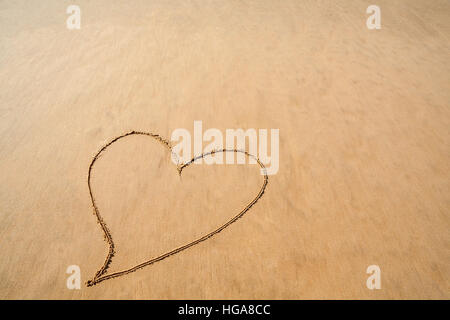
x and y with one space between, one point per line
364 124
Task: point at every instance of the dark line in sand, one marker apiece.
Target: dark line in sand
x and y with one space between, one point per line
100 274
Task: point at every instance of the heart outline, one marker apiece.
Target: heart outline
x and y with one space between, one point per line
101 275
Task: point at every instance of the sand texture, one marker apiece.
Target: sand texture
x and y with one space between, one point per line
364 176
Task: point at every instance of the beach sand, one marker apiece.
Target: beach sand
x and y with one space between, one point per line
364 120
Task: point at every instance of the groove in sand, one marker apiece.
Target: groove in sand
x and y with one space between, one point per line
100 274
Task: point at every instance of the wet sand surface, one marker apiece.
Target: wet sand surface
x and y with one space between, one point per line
364 120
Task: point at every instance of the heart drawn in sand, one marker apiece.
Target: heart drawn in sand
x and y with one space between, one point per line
101 274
